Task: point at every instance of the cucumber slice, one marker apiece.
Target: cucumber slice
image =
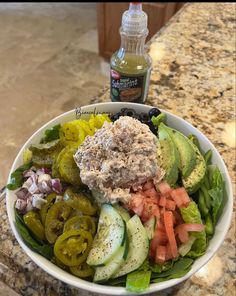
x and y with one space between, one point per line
123 212
138 247
109 237
103 273
150 226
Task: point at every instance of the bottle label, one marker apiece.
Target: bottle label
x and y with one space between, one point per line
128 88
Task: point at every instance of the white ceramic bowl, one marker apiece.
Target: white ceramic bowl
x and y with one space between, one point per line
173 121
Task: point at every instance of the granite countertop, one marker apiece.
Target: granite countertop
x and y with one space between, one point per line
194 77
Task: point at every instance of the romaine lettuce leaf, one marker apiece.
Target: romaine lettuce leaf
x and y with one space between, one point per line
179 268
186 247
216 192
138 281
191 214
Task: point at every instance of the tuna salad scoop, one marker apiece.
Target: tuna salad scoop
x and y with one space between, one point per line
119 157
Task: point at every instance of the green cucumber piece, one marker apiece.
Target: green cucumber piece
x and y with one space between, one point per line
109 237
138 247
105 272
123 212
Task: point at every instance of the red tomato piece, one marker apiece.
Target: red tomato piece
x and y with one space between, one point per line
178 217
147 212
168 222
168 252
152 200
150 193
170 205
160 226
180 196
162 201
160 254
164 188
152 253
136 204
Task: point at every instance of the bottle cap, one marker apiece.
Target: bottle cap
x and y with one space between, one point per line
134 20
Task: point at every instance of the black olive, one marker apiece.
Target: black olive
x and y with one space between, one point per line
116 116
154 112
130 112
143 117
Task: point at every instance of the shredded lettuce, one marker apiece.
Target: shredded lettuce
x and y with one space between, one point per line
191 214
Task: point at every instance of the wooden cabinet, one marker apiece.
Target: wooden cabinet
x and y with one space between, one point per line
109 21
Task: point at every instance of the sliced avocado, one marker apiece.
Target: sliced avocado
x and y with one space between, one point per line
194 180
168 154
186 152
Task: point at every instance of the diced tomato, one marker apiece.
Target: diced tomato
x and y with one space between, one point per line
160 226
149 210
156 211
161 237
148 185
174 219
168 252
150 193
182 233
170 205
152 253
136 204
152 200
164 188
180 196
160 254
178 218
168 222
162 201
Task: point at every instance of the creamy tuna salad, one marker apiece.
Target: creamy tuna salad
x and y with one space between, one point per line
119 157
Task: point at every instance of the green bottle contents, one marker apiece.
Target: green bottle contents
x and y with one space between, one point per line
131 65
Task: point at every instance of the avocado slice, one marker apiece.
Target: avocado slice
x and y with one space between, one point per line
168 154
194 180
186 152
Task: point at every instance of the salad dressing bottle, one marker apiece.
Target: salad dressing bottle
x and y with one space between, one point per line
131 65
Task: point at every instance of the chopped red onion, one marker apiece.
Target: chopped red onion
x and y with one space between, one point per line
21 205
38 201
29 206
34 178
46 186
44 177
43 171
27 183
56 185
33 188
22 193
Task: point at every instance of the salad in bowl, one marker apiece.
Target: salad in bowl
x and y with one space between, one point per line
126 198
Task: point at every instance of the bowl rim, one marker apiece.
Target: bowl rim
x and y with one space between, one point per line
74 281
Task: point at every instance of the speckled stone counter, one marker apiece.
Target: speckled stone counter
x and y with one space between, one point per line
193 77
